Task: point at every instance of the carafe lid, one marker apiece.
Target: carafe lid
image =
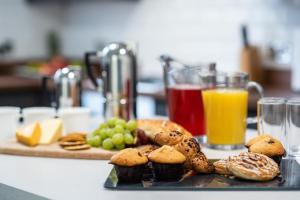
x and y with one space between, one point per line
69 72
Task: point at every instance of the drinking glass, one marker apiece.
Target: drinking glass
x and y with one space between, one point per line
225 103
271 117
293 127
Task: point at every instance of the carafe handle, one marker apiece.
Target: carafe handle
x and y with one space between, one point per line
260 90
49 96
88 65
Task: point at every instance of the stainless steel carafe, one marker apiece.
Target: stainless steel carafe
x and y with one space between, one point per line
67 87
118 79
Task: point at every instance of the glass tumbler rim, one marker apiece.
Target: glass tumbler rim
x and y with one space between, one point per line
293 101
272 100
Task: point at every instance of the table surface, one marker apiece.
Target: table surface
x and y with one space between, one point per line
83 179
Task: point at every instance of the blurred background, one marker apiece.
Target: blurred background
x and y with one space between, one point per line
37 37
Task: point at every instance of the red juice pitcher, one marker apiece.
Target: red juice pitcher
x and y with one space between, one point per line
184 94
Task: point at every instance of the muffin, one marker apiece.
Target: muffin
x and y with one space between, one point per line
147 149
268 146
257 139
129 165
167 163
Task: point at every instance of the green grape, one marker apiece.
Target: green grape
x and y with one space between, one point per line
121 122
118 139
107 144
118 129
128 138
103 134
120 146
112 122
96 132
131 125
94 141
127 132
110 132
103 126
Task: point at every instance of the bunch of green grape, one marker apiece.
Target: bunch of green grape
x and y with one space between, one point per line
113 134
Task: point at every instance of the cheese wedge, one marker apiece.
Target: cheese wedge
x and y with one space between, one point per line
29 135
51 131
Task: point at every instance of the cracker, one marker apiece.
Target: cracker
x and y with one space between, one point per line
77 147
72 143
73 137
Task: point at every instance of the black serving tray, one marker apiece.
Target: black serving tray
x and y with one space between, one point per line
289 179
9 193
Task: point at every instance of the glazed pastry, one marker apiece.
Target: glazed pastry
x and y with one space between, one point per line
129 165
221 167
167 163
253 166
268 146
165 132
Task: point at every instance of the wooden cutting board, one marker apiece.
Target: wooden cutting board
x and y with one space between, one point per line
12 147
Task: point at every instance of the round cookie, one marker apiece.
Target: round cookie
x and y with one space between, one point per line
253 166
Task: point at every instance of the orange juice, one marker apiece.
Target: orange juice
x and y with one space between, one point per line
225 115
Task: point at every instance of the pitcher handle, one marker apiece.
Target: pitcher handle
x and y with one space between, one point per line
260 90
88 65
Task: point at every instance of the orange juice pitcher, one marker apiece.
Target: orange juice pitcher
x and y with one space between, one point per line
225 106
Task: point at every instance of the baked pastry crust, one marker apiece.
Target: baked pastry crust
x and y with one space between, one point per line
268 146
221 167
166 155
154 126
146 149
129 157
253 166
257 139
164 132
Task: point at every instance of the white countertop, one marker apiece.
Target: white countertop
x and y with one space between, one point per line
83 179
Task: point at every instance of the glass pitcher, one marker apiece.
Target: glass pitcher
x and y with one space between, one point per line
225 105
184 94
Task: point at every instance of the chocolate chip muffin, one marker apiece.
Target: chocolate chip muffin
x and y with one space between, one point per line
167 163
267 145
129 165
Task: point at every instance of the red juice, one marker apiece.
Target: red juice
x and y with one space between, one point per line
186 107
